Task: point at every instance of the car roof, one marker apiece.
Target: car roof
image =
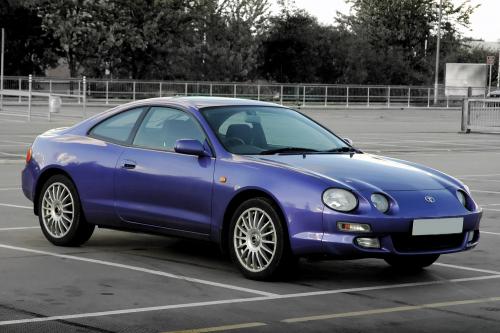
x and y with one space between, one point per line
201 102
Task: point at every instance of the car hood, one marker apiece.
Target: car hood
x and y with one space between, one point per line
365 171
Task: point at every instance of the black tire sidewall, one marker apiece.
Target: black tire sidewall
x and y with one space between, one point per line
78 220
282 247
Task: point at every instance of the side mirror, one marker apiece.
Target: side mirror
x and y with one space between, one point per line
348 141
190 147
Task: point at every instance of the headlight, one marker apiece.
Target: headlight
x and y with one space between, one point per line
380 202
339 199
461 198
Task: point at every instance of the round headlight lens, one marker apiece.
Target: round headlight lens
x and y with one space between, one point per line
380 202
339 199
461 198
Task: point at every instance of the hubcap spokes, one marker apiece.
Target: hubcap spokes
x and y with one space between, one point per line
255 239
58 210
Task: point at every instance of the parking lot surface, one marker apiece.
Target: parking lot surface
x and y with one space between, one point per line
130 282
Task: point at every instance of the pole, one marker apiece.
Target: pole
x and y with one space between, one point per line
438 46
498 74
489 83
1 68
30 85
84 85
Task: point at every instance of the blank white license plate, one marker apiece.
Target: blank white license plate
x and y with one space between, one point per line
438 226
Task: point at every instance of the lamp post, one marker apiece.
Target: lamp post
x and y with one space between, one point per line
1 68
438 45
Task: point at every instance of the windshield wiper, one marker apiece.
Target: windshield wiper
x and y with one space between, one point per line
343 150
288 150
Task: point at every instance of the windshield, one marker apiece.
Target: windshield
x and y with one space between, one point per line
252 130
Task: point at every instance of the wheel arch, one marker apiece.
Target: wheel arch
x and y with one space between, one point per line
236 201
42 179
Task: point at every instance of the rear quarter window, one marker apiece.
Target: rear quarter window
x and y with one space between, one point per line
117 128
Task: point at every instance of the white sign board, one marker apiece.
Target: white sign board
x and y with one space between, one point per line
459 77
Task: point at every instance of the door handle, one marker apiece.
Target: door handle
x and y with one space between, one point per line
128 164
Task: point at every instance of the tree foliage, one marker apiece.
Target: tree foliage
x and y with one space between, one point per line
379 42
28 48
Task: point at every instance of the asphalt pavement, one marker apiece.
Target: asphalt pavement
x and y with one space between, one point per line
131 282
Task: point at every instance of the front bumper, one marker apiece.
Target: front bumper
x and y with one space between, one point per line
394 235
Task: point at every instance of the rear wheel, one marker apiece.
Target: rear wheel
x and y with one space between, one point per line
60 215
258 241
412 262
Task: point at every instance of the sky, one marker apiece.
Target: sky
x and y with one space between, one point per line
485 22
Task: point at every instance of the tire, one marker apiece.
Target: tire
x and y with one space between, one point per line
258 241
412 263
60 214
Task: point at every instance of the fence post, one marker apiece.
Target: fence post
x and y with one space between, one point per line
258 92
304 97
185 89
20 88
465 115
234 92
428 97
368 97
281 95
211 89
409 96
79 92
84 85
389 96
160 90
347 97
30 83
133 91
447 101
326 96
107 92
50 87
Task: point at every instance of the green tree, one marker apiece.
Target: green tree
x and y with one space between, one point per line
73 23
28 48
398 37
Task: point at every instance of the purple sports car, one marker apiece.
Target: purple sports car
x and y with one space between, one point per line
265 182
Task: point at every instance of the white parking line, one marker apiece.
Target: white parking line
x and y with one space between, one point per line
10 154
490 233
15 206
491 209
18 228
10 188
237 301
481 191
465 268
140 269
480 175
391 310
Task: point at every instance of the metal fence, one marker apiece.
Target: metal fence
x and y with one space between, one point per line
120 91
481 114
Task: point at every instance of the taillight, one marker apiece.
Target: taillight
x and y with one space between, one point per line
28 155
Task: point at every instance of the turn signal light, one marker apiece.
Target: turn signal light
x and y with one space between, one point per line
28 155
353 227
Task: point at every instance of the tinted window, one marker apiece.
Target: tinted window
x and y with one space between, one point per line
255 130
117 128
162 127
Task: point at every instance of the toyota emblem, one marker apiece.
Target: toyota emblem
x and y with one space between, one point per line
430 199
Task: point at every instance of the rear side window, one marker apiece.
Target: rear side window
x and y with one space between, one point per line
117 128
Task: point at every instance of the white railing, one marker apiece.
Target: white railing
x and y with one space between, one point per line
481 114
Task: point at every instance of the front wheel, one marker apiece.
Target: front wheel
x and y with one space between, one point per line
258 240
60 215
412 262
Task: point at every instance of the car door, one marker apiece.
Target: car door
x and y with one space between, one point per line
156 186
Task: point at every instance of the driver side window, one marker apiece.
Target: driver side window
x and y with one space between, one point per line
162 127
